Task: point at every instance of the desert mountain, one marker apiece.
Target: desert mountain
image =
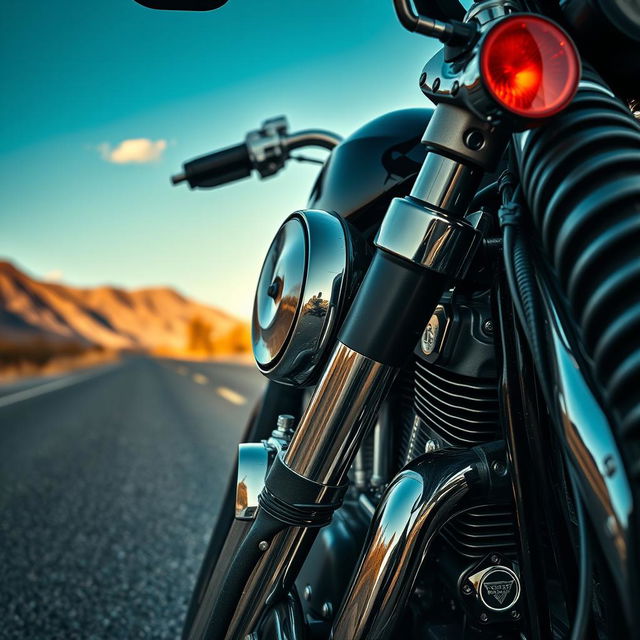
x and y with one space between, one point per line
144 319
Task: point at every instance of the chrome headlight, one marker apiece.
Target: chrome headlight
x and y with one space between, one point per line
312 268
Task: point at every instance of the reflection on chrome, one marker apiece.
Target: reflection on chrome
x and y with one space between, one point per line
419 501
323 447
430 238
253 463
302 291
340 412
589 436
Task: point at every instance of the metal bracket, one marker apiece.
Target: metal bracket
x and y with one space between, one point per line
253 464
266 146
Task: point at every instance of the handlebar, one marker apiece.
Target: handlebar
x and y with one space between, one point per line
217 168
312 138
266 150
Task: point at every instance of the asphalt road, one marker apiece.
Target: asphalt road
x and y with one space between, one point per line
110 481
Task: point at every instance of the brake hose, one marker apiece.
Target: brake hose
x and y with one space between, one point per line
583 601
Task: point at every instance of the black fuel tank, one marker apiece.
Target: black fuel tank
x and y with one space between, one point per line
377 162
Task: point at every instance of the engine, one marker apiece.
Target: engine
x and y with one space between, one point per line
446 396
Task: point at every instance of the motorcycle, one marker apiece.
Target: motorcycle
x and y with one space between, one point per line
449 442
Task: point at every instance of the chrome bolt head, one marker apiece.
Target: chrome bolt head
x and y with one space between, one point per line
484 617
499 468
430 446
263 545
327 610
307 593
467 589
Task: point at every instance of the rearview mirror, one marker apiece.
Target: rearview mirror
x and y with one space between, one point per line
182 5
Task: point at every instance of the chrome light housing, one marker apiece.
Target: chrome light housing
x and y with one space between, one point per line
309 275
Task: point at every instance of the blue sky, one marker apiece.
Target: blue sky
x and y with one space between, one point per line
79 75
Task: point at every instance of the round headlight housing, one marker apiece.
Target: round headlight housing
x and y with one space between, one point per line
309 275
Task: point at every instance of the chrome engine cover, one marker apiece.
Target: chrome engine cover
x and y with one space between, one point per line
306 281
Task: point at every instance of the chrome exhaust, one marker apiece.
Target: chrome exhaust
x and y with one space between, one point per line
419 501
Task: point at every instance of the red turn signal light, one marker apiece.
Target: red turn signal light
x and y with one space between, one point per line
530 66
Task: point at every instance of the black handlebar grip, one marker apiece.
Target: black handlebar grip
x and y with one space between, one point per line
214 169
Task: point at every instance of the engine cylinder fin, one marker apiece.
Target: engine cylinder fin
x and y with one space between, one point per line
460 411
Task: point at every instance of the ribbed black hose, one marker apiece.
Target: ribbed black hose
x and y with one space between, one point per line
581 177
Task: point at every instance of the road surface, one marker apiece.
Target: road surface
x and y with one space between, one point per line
110 481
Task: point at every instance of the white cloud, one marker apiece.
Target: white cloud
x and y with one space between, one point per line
55 275
134 150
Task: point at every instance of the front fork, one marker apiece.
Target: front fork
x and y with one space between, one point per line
423 244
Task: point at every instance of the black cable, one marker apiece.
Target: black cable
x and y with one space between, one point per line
585 585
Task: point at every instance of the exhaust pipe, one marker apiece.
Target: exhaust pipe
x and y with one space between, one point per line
425 495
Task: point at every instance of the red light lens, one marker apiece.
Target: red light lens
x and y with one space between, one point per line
530 66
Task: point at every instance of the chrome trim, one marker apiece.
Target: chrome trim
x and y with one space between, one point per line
340 411
312 138
279 292
266 146
269 146
419 501
253 464
479 582
430 238
435 333
301 287
490 10
445 184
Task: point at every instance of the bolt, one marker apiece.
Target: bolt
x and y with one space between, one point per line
423 79
436 84
515 614
263 545
495 558
307 593
430 446
327 610
487 327
454 88
609 465
474 139
484 617
466 589
285 422
499 468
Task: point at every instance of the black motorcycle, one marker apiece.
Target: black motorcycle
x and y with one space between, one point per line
449 443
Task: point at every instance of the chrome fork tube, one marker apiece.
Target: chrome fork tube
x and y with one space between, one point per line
340 411
343 406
